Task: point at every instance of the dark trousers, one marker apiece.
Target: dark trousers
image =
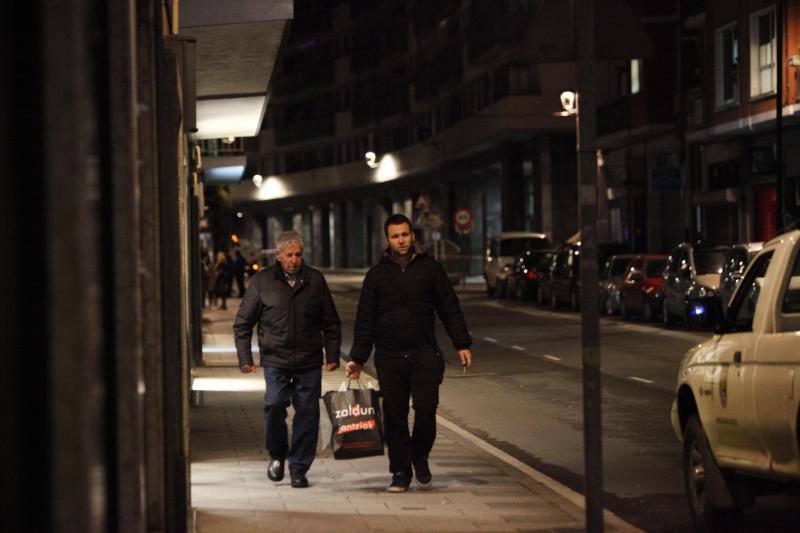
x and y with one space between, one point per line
402 375
301 389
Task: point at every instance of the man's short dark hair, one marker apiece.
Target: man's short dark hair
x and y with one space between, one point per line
394 220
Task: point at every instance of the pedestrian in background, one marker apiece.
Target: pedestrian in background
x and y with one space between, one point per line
222 279
206 277
296 319
239 263
396 314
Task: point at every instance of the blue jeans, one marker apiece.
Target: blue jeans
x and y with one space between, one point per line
301 389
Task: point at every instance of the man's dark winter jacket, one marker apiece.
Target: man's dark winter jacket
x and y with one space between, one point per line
294 323
391 294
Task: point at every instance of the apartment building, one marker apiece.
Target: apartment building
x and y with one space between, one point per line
425 108
731 61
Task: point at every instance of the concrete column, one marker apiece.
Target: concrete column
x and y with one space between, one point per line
546 186
150 270
356 236
512 188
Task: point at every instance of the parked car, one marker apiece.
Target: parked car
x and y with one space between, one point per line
523 280
737 258
611 277
691 275
545 269
640 292
565 278
737 407
501 250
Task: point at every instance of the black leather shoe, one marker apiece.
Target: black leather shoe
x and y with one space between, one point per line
422 473
400 482
275 469
299 480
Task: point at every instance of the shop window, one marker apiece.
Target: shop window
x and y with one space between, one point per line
762 53
726 66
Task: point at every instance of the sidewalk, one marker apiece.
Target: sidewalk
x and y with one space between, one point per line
476 487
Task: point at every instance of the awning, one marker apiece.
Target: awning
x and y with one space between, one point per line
237 45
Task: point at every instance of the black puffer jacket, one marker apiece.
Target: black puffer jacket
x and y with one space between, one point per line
294 323
385 318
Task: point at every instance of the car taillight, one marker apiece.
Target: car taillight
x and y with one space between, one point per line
533 275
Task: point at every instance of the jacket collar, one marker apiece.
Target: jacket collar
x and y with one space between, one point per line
386 257
302 274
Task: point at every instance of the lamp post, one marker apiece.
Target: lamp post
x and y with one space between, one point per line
584 17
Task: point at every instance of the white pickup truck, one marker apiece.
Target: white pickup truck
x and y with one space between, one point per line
737 404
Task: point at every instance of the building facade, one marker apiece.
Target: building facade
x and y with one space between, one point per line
424 108
689 140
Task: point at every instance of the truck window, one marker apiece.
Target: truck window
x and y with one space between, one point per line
791 298
743 308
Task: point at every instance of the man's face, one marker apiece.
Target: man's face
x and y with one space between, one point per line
400 238
291 258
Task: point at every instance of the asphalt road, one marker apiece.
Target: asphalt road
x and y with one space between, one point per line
524 395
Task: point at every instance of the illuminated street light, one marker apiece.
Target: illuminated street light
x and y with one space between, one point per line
240 214
371 159
568 102
258 180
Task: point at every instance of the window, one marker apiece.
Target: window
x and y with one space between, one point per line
727 66
791 298
636 73
743 307
762 52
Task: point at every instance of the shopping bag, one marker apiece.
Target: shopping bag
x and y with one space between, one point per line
356 428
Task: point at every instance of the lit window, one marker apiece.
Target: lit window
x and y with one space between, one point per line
762 52
636 72
727 66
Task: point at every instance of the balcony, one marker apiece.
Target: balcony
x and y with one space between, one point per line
304 131
494 29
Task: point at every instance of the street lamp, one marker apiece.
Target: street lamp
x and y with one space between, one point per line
568 102
258 180
371 159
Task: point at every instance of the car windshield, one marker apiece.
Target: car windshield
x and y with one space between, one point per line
708 261
655 267
518 245
618 266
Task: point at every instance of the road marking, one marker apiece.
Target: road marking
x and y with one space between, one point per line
565 492
516 347
605 323
641 380
489 339
551 357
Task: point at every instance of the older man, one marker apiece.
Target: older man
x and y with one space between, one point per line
296 318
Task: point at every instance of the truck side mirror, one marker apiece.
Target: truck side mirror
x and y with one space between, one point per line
707 313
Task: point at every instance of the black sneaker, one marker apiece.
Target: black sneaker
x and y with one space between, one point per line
422 473
400 482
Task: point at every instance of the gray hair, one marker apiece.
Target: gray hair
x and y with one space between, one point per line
288 237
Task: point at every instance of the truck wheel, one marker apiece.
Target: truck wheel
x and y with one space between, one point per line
700 473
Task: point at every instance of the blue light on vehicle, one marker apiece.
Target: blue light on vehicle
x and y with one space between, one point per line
698 310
